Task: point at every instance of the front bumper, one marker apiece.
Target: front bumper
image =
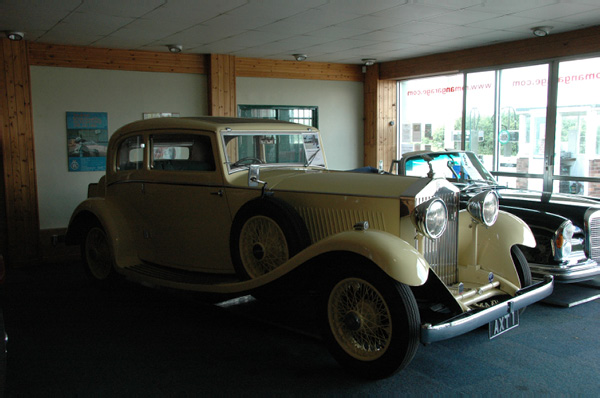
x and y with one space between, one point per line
473 319
567 274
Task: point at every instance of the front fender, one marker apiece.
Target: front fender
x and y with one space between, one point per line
393 255
493 243
120 236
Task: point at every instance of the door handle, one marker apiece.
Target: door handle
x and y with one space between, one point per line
220 193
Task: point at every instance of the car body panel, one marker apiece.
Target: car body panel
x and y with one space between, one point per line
493 246
175 227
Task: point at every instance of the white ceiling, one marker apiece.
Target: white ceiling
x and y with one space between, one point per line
340 31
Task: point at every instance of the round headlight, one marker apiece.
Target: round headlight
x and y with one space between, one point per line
566 249
568 230
484 207
562 240
431 218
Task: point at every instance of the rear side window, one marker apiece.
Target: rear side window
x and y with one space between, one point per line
182 152
131 154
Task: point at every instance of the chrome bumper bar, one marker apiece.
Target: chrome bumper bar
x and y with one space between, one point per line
568 274
472 320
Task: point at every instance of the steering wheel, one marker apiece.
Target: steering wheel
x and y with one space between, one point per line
247 160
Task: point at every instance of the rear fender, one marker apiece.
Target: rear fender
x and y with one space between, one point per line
493 244
121 238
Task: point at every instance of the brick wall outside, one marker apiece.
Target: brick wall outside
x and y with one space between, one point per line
522 167
594 188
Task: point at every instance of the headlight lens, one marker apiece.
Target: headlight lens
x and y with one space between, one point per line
562 240
484 207
431 218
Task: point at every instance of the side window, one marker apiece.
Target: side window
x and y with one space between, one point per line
182 152
131 154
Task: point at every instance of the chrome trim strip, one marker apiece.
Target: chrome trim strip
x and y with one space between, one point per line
257 189
472 320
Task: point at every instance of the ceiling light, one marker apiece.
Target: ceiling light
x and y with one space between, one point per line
16 36
368 61
175 48
300 57
541 31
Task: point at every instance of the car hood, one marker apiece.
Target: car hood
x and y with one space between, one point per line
341 182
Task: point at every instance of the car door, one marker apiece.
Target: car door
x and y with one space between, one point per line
188 219
126 172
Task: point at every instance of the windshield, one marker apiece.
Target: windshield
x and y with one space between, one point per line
273 148
455 166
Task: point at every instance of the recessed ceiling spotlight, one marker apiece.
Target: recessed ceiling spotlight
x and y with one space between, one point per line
16 36
541 31
175 48
300 57
368 61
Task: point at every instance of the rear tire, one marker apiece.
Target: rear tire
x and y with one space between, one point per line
97 257
370 323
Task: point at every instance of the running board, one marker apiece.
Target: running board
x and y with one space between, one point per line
180 276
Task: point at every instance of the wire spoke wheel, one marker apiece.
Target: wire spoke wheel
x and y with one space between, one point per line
97 255
360 319
263 246
369 322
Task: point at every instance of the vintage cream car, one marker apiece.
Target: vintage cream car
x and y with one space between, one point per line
228 206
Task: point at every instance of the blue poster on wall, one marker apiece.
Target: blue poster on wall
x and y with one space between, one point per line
87 140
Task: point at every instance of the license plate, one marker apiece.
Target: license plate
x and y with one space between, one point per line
504 324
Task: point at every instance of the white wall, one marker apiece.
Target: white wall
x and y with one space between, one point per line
341 111
124 95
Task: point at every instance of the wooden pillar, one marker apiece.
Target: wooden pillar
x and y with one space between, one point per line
21 232
380 119
221 86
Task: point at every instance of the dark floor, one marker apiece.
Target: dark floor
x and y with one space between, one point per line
67 338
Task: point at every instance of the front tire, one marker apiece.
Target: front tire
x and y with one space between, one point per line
265 233
523 270
96 255
522 266
370 322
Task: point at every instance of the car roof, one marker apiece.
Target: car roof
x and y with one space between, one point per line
211 123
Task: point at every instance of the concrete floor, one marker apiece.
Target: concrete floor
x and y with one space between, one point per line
67 338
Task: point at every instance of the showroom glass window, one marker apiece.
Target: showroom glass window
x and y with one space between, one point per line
307 115
505 122
577 144
430 113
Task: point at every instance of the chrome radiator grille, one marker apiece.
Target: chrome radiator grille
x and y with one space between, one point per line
442 253
593 235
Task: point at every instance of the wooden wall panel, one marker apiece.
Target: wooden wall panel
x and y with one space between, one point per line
146 61
18 160
370 103
221 92
268 68
584 41
380 140
115 59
